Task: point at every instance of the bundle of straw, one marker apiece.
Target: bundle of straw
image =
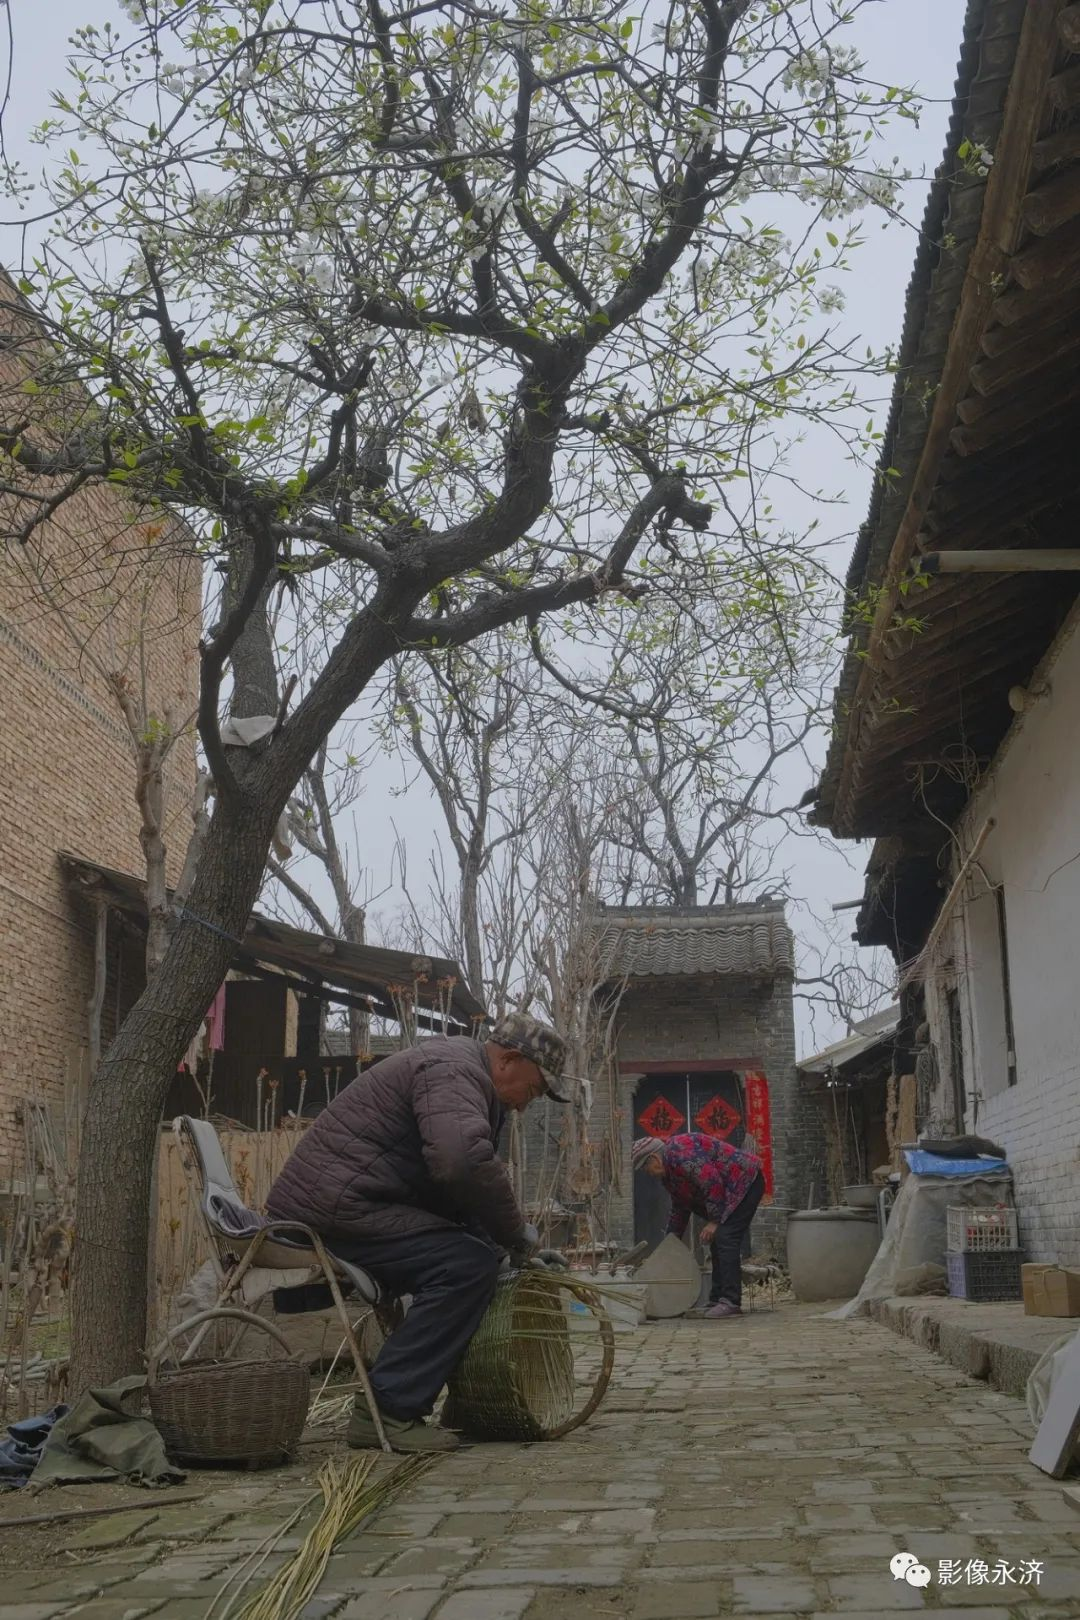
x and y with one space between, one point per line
517 1380
349 1496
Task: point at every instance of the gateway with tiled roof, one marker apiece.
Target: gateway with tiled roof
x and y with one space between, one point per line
700 1003
658 942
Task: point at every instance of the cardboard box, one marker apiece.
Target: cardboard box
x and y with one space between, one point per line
1050 1290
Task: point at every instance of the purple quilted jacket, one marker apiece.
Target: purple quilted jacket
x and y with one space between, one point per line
410 1146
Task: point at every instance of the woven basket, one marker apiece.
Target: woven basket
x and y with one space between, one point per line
519 1377
250 1412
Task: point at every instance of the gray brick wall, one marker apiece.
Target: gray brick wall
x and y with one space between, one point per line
698 1020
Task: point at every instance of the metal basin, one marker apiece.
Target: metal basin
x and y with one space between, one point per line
860 1197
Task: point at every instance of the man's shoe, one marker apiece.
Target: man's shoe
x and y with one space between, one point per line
407 1435
722 1309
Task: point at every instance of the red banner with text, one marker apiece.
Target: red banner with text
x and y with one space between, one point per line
759 1123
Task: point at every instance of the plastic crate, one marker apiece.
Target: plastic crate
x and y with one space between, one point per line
980 1231
984 1276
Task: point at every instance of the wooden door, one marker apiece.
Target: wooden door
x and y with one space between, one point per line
669 1105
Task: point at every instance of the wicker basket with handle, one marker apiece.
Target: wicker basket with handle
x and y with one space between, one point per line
249 1411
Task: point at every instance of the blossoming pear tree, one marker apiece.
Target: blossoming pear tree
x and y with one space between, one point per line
426 319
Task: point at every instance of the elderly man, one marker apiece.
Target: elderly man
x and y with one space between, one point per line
723 1185
400 1175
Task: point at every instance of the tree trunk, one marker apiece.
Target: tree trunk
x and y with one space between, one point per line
127 1093
354 927
470 927
688 887
150 794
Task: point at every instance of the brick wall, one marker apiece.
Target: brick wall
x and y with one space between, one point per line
1028 802
98 588
1040 1127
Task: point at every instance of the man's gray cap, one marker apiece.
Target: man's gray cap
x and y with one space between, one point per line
541 1044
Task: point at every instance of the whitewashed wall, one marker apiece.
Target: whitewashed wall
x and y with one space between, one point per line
1033 794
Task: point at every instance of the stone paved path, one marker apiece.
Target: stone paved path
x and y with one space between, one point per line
763 1467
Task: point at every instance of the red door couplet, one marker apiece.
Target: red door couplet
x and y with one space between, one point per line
759 1123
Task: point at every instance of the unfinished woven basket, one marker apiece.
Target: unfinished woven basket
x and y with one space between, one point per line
250 1412
520 1377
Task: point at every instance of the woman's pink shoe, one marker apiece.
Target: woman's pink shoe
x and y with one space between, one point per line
722 1308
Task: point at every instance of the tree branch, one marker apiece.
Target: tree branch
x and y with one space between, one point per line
300 894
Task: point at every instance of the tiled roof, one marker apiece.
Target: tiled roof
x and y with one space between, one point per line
655 942
961 471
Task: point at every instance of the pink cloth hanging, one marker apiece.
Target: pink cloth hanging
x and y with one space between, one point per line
213 1027
215 1023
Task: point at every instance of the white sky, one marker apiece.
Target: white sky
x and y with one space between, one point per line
904 42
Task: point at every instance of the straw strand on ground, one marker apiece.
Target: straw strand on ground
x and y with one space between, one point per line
349 1497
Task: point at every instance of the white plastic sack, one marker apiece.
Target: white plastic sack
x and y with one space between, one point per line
1044 1375
912 1253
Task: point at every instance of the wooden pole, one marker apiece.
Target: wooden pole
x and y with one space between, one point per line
1034 561
907 1123
163 1500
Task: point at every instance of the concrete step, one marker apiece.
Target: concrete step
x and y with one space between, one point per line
994 1342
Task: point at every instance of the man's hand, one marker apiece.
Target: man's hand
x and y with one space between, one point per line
549 1260
708 1231
521 1255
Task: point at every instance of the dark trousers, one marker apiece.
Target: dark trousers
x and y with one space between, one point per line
727 1246
451 1277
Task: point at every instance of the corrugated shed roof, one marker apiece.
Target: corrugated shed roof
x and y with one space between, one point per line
878 1031
748 941
369 971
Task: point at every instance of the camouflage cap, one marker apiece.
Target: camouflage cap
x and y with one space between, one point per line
541 1044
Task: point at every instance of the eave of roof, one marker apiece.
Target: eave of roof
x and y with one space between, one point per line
368 971
980 437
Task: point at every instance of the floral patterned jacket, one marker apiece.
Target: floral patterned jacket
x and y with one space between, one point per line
705 1176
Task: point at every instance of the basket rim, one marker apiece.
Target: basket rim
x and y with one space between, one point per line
556 1287
218 1369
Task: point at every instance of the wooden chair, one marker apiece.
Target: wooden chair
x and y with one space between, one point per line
246 1248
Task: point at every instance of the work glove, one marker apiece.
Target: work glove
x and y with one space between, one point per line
548 1260
530 1239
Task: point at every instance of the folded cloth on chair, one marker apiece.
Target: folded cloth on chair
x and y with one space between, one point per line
230 1216
99 1440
